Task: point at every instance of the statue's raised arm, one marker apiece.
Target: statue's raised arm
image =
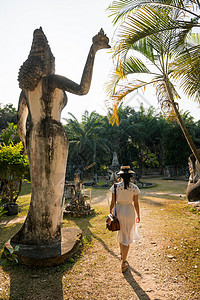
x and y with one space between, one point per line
100 41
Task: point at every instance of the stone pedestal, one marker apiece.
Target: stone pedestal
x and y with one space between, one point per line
49 255
75 210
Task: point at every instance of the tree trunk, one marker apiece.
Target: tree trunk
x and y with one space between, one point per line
182 125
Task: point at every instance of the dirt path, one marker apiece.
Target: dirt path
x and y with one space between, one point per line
150 274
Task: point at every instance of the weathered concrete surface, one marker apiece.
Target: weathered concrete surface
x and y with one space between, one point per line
49 255
193 188
47 148
42 99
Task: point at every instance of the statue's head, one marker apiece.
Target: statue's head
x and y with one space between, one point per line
40 62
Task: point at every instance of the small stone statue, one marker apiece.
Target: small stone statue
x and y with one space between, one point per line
115 163
113 170
43 98
78 197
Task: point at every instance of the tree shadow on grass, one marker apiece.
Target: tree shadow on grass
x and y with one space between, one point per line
36 283
30 283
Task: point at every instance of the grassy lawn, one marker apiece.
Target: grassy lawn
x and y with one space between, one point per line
166 219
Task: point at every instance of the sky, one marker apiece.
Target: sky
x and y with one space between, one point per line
69 26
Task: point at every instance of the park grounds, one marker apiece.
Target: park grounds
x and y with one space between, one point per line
163 264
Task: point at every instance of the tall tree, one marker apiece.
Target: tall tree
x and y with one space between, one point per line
155 33
8 114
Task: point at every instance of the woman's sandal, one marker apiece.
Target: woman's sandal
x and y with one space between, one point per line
124 266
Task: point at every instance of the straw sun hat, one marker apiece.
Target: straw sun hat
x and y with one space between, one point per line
125 170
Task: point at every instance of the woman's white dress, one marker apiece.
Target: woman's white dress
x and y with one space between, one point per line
126 213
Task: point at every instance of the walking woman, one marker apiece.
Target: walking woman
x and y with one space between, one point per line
127 210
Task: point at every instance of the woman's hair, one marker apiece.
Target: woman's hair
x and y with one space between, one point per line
126 177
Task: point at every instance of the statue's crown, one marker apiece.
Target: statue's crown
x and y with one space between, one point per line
100 36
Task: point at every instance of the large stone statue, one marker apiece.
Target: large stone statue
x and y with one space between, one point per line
193 188
43 98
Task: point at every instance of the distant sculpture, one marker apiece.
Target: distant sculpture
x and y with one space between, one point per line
113 169
43 98
115 163
193 188
78 206
78 197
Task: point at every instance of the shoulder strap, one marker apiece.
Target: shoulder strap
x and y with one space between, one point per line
115 187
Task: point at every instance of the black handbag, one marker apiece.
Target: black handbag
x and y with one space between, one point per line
112 222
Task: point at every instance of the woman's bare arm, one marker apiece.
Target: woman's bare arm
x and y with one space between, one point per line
137 208
112 204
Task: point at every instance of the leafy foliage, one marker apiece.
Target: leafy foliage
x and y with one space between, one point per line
174 142
143 139
7 114
10 134
86 141
9 255
13 168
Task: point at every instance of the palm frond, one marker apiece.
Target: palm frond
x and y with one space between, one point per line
186 28
187 69
120 9
124 89
144 23
193 39
131 66
148 22
73 117
113 79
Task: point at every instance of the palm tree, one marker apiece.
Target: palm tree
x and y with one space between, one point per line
86 143
186 18
158 34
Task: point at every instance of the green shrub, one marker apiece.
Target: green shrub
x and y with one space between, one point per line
14 167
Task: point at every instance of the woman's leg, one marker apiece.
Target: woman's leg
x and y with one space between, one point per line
124 256
120 245
125 250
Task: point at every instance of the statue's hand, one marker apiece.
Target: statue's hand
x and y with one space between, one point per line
100 41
